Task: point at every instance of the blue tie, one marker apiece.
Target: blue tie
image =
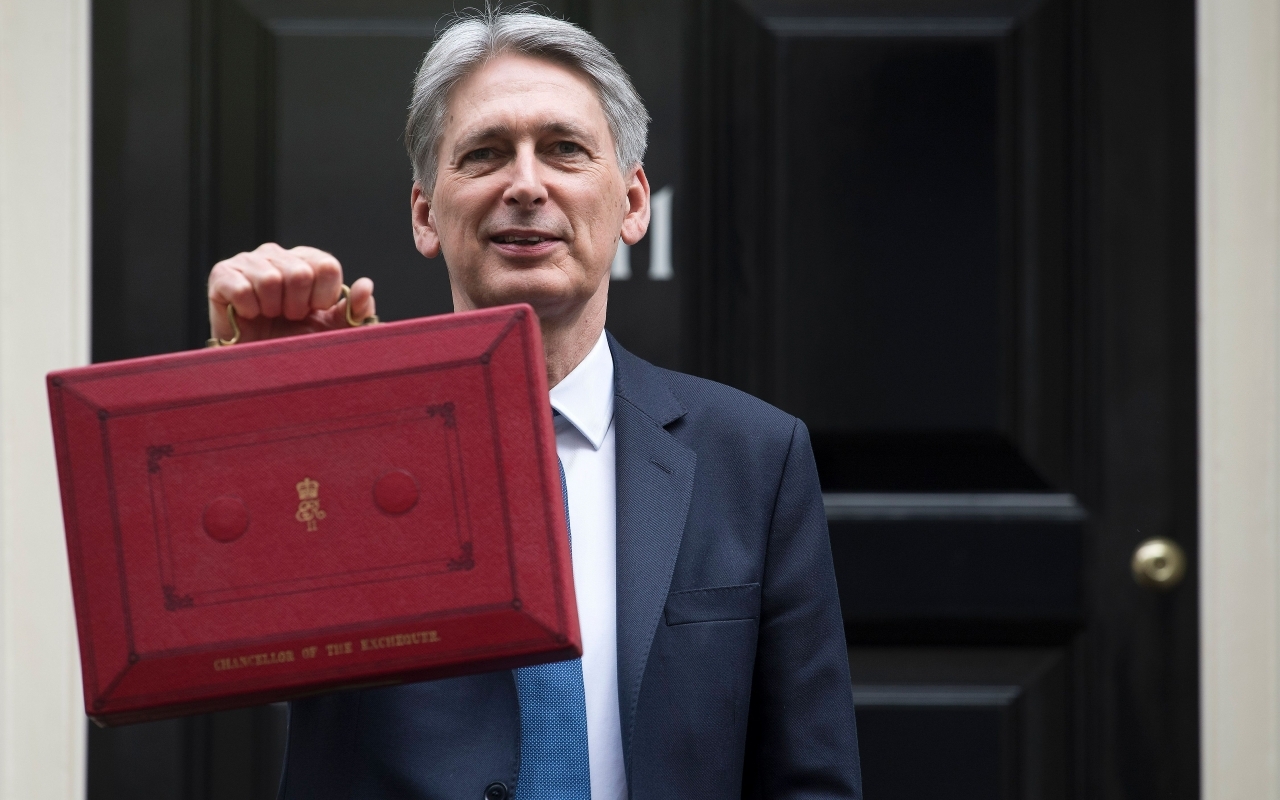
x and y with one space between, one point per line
553 724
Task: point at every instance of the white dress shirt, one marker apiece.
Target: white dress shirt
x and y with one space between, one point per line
585 443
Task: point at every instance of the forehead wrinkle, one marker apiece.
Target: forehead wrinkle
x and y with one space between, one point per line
478 92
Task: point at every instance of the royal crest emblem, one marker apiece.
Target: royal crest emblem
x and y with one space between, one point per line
309 510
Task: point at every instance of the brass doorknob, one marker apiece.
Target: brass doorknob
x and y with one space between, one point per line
1159 563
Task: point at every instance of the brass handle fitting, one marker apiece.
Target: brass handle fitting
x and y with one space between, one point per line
235 327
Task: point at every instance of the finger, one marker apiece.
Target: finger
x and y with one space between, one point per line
269 249
316 257
362 303
267 280
327 288
298 280
229 287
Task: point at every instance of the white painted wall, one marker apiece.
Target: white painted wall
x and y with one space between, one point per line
1238 44
44 324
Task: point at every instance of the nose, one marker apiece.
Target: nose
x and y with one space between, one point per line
526 189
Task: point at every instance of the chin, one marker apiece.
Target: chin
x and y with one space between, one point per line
553 286
550 295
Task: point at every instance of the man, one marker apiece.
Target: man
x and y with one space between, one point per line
713 651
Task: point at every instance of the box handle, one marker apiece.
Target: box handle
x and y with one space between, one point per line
235 327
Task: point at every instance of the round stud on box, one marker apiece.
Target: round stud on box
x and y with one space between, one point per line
396 492
226 519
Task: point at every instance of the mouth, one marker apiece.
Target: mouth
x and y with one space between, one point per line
525 243
522 239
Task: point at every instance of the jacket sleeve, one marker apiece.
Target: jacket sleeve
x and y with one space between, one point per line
801 738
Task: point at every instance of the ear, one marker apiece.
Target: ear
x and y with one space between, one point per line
425 236
636 222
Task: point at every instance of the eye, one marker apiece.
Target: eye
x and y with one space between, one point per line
567 148
483 154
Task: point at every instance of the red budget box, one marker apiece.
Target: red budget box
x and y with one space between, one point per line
252 523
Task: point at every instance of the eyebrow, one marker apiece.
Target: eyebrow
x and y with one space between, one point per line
471 140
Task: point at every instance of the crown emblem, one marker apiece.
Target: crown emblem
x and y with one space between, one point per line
309 511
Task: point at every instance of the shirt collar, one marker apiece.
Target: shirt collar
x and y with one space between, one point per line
585 396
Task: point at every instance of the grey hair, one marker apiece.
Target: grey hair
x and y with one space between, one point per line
472 40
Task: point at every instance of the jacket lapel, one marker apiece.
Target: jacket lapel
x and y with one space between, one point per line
655 474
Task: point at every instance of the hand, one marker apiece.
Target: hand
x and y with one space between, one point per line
278 292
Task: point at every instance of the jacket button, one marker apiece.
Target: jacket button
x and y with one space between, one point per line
496 791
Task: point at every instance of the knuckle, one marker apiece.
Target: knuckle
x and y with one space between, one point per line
243 297
223 281
328 268
222 271
270 281
297 277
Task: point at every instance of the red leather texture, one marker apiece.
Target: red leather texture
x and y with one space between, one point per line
251 523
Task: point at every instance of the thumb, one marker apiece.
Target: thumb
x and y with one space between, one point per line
362 303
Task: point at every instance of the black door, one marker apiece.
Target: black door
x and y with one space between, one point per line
955 237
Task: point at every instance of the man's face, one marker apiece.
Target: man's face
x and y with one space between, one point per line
529 202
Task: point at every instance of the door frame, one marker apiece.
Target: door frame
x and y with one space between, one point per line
1238 227
45 74
44 325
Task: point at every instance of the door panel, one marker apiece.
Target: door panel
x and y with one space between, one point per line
336 99
888 217
296 91
923 568
980 722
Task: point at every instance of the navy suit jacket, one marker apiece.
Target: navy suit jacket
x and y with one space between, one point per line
733 678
